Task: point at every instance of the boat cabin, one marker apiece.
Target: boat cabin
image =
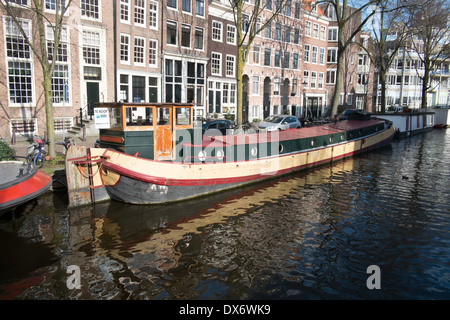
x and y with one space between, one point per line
147 130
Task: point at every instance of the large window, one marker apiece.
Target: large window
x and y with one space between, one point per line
332 55
231 34
277 62
125 10
331 76
217 31
125 48
153 15
60 79
314 54
267 55
199 40
91 47
18 57
287 60
332 34
216 63
139 49
186 5
51 5
90 8
322 56
172 3
139 13
186 36
171 33
200 7
306 53
60 84
152 52
308 28
295 61
173 80
230 69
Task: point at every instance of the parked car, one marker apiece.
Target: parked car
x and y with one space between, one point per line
354 114
279 122
393 109
213 127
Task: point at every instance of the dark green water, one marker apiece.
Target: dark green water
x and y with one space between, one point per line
311 235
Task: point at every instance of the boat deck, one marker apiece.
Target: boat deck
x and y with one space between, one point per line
291 134
11 170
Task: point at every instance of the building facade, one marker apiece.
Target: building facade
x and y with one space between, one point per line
81 73
169 51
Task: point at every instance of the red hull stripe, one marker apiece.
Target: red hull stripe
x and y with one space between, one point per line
198 182
34 184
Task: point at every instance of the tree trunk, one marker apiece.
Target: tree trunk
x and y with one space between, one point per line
338 85
426 79
48 101
383 90
239 88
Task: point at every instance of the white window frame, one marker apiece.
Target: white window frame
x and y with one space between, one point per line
314 54
128 61
230 69
255 85
307 28
315 32
320 83
65 64
216 57
125 5
203 38
313 82
332 56
15 60
217 31
186 26
323 33
231 34
322 56
155 52
190 7
333 34
307 53
99 9
257 55
139 12
44 4
174 23
153 15
306 78
135 47
331 71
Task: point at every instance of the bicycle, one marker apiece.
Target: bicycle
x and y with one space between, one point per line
36 153
67 143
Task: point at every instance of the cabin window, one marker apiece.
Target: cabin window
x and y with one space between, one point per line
163 116
139 116
183 116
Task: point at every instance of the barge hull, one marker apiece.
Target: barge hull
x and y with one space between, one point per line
133 184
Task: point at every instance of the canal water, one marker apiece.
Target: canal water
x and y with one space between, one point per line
310 235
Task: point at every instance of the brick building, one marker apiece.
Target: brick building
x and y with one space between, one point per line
82 75
168 51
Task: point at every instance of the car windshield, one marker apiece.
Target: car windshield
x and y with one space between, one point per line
273 119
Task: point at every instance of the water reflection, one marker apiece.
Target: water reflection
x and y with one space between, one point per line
309 235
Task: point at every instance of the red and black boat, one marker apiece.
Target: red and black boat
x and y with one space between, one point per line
20 183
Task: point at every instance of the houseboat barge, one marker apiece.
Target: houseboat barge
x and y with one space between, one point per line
153 153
